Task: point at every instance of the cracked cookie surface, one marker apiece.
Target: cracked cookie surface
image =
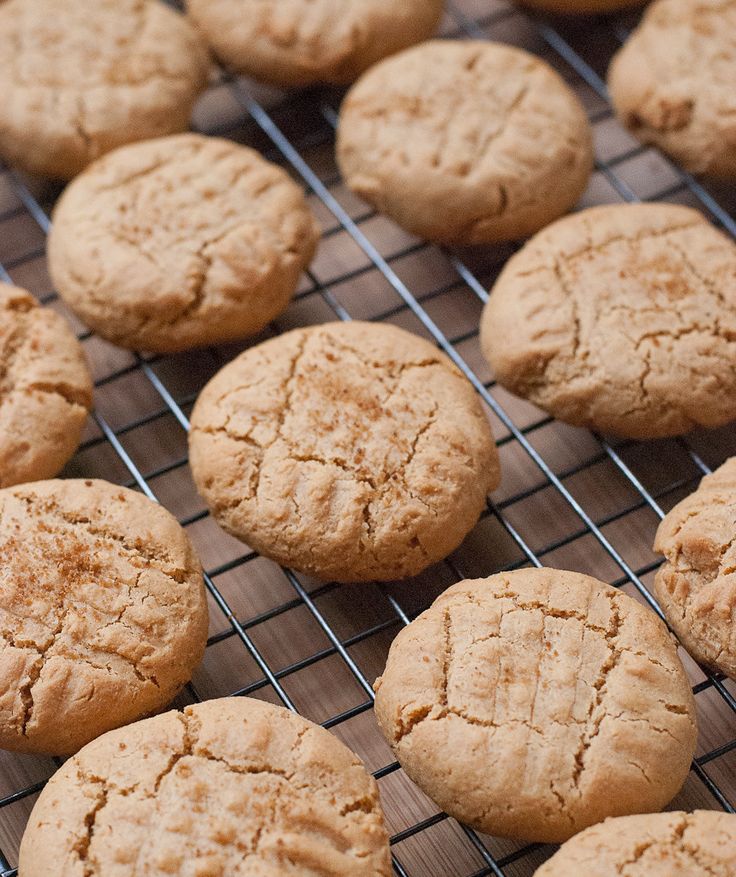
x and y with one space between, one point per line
672 83
696 585
465 142
103 614
80 77
45 389
620 318
180 242
351 451
535 703
699 844
301 42
228 787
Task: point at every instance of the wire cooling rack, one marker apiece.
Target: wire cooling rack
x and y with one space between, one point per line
569 498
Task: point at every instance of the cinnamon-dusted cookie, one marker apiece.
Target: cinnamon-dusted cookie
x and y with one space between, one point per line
45 389
535 703
228 787
672 84
465 142
299 42
180 242
696 585
621 318
103 614
80 77
654 845
351 451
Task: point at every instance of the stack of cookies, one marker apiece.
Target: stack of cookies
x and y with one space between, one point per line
539 704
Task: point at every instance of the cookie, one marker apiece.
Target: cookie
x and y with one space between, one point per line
658 845
672 83
45 389
80 77
696 585
349 451
534 703
465 142
300 42
620 318
180 242
228 787
103 613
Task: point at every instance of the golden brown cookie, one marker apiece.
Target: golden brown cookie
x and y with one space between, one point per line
227 788
350 451
299 42
696 585
672 84
657 845
465 142
535 703
621 318
45 389
102 612
80 77
180 242
575 7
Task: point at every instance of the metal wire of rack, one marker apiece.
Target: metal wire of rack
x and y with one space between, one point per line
565 473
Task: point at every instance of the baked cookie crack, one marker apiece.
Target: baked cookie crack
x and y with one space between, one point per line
82 846
597 712
11 352
26 689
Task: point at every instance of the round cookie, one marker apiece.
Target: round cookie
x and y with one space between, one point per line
696 585
349 451
672 83
228 787
465 142
621 318
300 42
80 77
45 389
580 7
535 703
103 613
656 845
180 242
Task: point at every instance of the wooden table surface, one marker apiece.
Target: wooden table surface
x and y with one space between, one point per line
568 499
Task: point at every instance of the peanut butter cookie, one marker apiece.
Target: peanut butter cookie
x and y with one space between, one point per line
535 703
620 318
45 389
696 585
102 612
658 845
351 451
672 83
180 242
80 77
465 142
300 42
230 787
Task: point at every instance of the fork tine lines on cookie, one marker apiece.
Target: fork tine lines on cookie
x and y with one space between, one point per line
568 498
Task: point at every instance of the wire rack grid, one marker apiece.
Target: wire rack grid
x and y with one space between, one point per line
569 498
